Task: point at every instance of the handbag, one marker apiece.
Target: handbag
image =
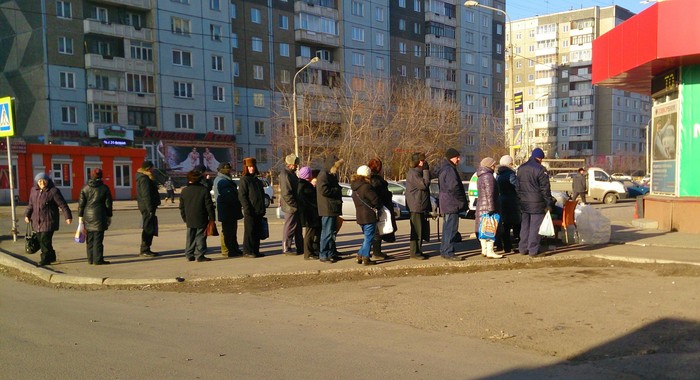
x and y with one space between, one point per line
265 229
80 232
211 229
384 224
488 226
31 240
547 226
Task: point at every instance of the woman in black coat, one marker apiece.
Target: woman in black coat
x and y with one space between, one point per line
42 211
252 197
367 202
95 212
507 182
381 187
308 213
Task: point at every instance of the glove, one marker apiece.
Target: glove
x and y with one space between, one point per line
425 165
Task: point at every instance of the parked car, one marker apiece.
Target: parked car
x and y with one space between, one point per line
269 191
470 190
349 212
635 189
620 177
563 176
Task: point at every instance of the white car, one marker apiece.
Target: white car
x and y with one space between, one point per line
620 177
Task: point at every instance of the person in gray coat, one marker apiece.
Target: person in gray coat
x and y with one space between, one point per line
95 211
579 186
453 200
418 204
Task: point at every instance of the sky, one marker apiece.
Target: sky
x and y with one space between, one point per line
518 9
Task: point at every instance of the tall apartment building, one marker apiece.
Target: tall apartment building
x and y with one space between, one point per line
561 111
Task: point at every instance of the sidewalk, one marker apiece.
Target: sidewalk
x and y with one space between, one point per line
121 248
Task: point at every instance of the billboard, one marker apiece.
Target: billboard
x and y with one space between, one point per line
181 157
664 140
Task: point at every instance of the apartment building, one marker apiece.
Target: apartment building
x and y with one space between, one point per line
561 111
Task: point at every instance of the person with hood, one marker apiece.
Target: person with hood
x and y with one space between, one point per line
45 200
252 197
308 213
330 206
366 201
381 187
453 200
507 182
487 202
418 203
289 187
148 200
228 208
196 210
535 200
95 211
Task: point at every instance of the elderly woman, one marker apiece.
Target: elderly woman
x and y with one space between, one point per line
487 202
95 210
42 211
366 202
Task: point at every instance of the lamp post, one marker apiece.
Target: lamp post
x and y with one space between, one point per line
511 127
294 104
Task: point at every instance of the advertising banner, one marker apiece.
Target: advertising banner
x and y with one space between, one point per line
664 140
518 102
181 157
689 151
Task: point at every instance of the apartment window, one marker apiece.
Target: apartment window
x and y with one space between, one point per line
255 15
237 128
471 79
180 26
104 113
285 76
402 47
215 32
234 40
181 1
139 83
258 72
261 155
358 84
530 77
67 79
469 58
416 50
469 37
416 5
484 61
403 70
358 59
402 24
215 5
358 8
233 11
141 116
416 72
257 44
470 16
61 174
65 45
217 63
485 82
358 34
218 93
470 99
184 121
379 63
258 100
236 97
259 128
379 39
182 58
69 115
63 9
141 50
402 3
102 82
379 14
305 51
470 140
284 22
284 49
219 123
99 14
236 69
183 90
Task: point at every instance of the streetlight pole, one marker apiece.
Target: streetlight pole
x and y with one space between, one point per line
294 105
511 127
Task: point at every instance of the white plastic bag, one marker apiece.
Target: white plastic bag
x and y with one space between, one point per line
384 225
593 227
547 226
80 232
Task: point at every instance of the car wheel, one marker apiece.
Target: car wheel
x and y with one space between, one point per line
267 201
610 198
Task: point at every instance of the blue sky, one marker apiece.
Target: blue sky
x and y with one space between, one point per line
518 9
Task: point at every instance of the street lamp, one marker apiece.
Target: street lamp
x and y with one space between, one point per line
511 127
294 104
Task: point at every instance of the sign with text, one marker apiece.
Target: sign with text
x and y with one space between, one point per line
518 102
664 142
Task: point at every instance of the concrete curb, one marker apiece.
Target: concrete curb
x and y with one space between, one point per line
639 260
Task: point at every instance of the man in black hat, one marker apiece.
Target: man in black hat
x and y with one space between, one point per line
418 203
453 200
535 200
228 208
148 200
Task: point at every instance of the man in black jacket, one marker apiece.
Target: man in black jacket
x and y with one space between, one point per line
453 200
418 203
228 208
535 200
330 206
196 210
292 230
148 200
95 211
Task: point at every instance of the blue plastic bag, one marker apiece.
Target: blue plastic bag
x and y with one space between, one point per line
488 226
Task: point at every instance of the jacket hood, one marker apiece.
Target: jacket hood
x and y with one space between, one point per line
483 170
357 181
145 172
504 169
95 182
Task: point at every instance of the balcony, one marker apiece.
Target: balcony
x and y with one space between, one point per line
443 84
320 65
315 7
440 62
117 30
442 19
314 89
120 97
546 36
97 61
322 39
442 41
136 4
546 81
580 32
546 51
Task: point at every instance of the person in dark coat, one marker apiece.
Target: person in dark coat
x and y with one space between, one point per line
367 201
418 204
45 200
381 187
535 200
252 197
95 211
196 210
289 187
507 182
579 186
330 206
148 200
453 200
229 210
487 202
308 213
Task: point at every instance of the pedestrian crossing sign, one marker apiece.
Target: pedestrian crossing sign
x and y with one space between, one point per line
7 128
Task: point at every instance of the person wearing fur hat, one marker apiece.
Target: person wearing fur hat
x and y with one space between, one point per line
507 182
229 210
330 206
292 229
45 200
148 200
453 200
308 213
418 204
367 201
252 197
535 200
487 203
196 210
95 211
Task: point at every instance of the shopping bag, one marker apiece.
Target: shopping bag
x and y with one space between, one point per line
265 230
384 225
488 226
211 229
547 227
31 240
80 232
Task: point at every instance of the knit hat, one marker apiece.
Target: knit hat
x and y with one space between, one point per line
537 153
305 172
250 161
96 173
41 176
292 159
194 176
416 158
147 165
364 171
506 160
451 153
488 162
